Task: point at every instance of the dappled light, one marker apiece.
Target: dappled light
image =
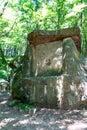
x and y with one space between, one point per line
4 122
3 102
78 126
43 65
42 119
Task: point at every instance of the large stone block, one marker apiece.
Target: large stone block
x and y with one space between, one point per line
47 59
63 91
43 91
52 74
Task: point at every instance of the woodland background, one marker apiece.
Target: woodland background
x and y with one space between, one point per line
20 17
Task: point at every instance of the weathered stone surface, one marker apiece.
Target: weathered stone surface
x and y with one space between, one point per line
40 37
52 73
47 59
73 75
43 91
4 85
71 58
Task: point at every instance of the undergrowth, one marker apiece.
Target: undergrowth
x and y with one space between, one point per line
21 106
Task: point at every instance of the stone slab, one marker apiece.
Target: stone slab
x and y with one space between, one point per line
44 36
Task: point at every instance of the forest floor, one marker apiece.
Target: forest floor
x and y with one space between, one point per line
44 119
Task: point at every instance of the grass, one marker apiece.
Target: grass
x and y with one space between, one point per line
21 106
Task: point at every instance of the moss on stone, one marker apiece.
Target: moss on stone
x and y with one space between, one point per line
51 73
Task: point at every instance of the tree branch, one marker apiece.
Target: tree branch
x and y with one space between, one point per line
3 9
6 34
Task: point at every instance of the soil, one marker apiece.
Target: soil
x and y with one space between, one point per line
41 119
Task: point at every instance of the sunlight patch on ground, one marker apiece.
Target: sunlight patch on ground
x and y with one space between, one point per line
37 121
27 121
62 127
27 115
78 126
4 102
4 122
23 122
5 112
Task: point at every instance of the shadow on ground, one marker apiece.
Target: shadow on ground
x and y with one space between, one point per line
44 119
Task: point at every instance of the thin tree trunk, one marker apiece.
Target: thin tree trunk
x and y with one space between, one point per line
2 55
3 9
81 16
11 64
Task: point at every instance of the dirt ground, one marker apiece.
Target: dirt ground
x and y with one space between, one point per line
43 119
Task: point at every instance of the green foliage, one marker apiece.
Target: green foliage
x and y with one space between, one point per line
21 17
4 69
4 74
25 107
21 106
27 15
14 103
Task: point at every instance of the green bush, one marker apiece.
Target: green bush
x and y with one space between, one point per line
3 74
21 106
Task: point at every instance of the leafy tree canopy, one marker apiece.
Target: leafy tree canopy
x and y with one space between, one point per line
20 17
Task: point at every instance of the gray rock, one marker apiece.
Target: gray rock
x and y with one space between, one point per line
52 74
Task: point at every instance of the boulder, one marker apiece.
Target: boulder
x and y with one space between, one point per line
4 85
52 75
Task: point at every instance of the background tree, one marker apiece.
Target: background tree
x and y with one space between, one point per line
20 17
